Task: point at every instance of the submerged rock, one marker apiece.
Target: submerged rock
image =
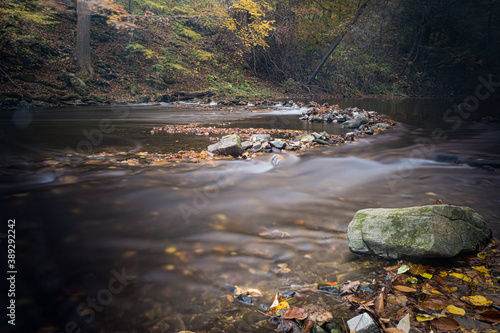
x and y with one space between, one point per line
437 231
228 145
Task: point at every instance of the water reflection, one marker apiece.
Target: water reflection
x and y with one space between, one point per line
187 234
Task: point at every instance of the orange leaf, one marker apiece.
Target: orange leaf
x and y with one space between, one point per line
405 289
379 304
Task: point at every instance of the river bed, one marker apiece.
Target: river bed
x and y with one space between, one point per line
160 248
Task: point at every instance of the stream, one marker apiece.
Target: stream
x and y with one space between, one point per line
138 248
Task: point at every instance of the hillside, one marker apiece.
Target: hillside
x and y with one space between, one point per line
160 54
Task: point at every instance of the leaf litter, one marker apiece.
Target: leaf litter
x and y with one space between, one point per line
456 295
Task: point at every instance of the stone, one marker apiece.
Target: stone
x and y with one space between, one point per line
278 144
380 126
260 137
246 145
305 138
228 145
362 324
355 123
433 231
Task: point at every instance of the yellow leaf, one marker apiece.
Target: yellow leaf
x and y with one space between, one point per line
482 255
280 309
426 275
476 300
424 317
171 249
455 310
461 276
481 269
443 274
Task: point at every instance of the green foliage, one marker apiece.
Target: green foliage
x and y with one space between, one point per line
136 48
288 85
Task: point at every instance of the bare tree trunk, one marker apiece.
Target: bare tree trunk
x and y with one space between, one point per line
83 59
337 42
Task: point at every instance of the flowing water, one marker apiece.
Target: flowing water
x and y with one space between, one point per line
137 248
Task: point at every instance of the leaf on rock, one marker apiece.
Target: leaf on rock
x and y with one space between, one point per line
455 310
476 300
404 289
404 324
446 324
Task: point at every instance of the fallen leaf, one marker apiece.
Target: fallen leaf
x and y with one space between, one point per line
424 317
461 276
481 269
417 269
476 300
403 269
393 330
379 304
434 303
404 289
404 324
397 300
482 255
349 287
430 290
455 310
279 310
492 316
426 275
295 313
446 324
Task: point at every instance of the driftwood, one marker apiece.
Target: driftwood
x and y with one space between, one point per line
175 96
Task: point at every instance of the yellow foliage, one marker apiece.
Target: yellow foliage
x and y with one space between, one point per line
251 33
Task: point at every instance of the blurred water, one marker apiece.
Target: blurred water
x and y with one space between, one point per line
186 234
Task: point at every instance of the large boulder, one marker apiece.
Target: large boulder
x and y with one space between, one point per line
228 145
436 231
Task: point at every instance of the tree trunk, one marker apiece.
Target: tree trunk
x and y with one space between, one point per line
83 59
337 42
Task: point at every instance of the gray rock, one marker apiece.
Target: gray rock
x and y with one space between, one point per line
278 144
362 324
355 123
305 138
380 125
436 231
228 145
246 145
257 145
260 137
